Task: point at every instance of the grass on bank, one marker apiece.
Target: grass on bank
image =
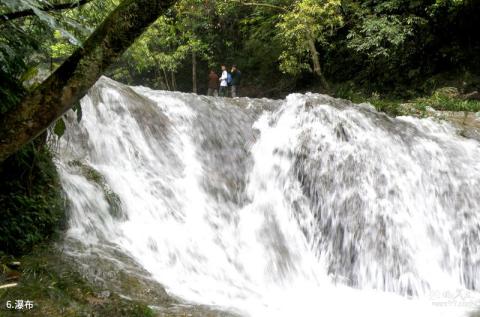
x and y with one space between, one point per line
56 289
443 99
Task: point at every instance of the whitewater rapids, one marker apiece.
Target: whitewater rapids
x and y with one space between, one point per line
308 206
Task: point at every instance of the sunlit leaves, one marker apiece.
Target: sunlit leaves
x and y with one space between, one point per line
309 20
61 47
166 44
59 128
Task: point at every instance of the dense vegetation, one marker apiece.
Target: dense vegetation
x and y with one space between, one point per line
393 47
31 203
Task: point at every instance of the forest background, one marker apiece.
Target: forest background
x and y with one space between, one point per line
393 48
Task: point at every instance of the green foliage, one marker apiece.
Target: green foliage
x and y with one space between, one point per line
308 20
61 47
10 92
386 46
59 128
31 203
396 45
392 46
165 47
444 101
38 42
383 35
55 286
17 45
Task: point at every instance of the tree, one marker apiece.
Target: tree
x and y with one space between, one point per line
168 45
194 25
308 22
70 82
159 51
300 26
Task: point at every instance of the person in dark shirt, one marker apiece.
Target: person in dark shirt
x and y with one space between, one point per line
212 83
236 78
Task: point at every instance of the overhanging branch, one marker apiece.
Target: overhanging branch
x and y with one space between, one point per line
71 81
47 8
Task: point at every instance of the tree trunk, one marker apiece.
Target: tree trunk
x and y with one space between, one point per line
174 82
316 63
194 72
71 81
165 78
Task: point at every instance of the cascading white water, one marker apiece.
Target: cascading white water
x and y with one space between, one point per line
309 206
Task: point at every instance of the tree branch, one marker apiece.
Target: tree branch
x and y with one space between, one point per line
261 4
71 81
47 8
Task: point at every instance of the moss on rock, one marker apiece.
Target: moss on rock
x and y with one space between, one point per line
56 288
91 174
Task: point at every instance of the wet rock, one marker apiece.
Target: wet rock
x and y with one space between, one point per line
468 123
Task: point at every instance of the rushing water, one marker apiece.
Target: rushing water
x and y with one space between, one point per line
309 206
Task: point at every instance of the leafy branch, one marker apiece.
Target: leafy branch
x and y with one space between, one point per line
46 8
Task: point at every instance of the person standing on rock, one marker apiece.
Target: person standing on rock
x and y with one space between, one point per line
213 83
223 82
236 78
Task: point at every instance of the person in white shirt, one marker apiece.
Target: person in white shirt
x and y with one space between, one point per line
223 82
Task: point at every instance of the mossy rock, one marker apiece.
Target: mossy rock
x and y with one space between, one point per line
55 288
91 174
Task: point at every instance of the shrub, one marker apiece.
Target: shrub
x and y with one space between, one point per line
31 202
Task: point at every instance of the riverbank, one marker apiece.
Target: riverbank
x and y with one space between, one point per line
44 283
446 103
50 282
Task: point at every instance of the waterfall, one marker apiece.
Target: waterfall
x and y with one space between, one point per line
308 206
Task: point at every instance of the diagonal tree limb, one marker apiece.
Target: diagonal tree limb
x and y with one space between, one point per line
47 8
71 81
